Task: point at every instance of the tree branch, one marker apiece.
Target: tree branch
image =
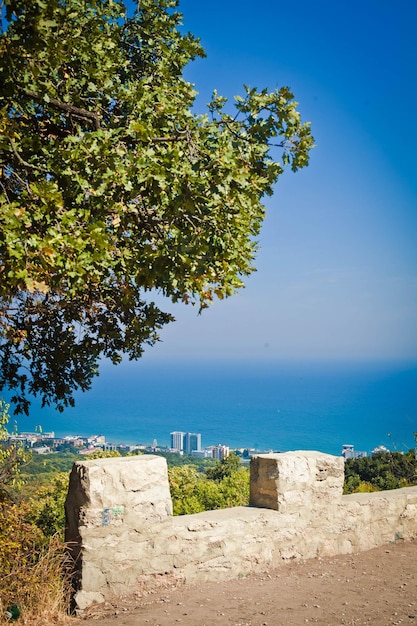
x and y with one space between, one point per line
168 139
5 191
179 136
22 161
23 182
63 106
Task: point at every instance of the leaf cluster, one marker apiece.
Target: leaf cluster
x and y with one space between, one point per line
112 187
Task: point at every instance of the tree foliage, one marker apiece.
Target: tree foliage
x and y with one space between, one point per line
224 468
12 456
384 470
193 491
113 187
47 506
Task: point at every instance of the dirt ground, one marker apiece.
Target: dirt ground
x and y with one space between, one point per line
375 587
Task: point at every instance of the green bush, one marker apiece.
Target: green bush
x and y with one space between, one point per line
12 457
382 471
47 506
223 486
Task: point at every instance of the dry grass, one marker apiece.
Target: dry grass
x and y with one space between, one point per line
32 575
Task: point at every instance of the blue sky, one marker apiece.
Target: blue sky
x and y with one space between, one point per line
337 266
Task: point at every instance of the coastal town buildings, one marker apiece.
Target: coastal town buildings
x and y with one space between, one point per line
190 443
349 452
182 442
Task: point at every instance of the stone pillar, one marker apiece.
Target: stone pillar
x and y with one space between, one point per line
291 481
108 498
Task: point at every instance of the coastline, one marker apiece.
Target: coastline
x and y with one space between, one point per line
249 406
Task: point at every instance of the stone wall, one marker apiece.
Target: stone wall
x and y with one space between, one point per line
122 535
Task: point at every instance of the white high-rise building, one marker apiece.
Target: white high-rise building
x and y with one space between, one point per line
177 440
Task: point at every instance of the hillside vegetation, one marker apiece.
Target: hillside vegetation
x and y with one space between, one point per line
384 470
33 492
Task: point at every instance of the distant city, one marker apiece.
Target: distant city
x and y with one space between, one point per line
181 443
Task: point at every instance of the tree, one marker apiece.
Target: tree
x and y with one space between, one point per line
47 506
384 470
225 467
193 492
112 187
183 482
12 456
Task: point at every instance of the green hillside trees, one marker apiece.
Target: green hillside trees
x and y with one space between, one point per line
384 470
12 457
222 486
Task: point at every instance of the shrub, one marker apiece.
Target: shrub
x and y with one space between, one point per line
47 504
384 470
12 456
32 572
193 492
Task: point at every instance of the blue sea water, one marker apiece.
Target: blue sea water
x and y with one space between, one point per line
277 406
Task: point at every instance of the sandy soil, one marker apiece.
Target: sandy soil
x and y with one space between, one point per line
375 587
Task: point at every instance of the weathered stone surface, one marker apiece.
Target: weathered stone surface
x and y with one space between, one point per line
123 534
119 491
294 481
107 499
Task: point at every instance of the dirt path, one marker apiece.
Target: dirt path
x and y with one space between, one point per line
376 587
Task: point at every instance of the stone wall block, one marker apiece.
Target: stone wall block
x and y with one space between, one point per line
113 491
294 481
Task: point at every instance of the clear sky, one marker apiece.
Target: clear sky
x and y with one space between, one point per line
337 265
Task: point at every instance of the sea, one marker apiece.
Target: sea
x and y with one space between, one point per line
277 406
